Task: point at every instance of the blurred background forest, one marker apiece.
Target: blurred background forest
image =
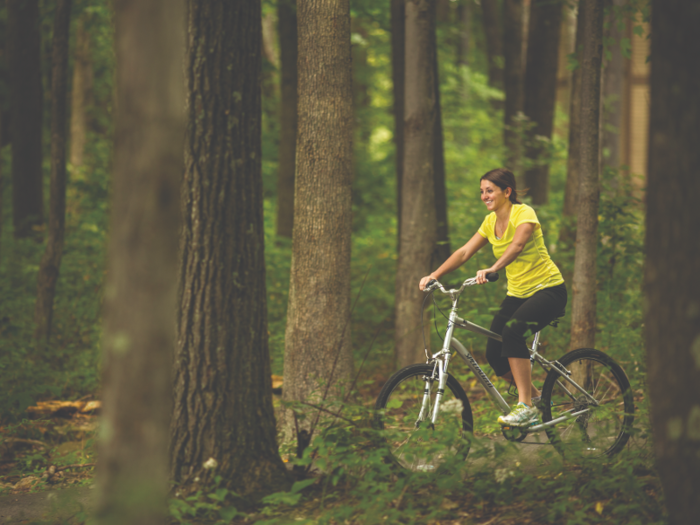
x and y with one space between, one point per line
472 113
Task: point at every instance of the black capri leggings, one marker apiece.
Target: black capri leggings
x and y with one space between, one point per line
519 318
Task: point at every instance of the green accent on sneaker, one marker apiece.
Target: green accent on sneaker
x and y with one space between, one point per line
520 416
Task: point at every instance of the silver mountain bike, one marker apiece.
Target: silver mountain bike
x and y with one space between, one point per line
587 405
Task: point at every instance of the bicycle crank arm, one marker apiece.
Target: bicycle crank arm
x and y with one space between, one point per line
556 421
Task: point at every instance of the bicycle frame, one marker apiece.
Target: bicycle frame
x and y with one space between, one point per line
442 360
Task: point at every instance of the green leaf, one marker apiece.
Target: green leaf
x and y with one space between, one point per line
394 403
228 513
301 485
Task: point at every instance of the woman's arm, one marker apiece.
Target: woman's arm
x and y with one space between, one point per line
522 234
457 259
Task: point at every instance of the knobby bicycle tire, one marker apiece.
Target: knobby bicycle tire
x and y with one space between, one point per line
416 444
602 430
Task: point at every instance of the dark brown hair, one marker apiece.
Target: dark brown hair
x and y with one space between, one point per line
503 178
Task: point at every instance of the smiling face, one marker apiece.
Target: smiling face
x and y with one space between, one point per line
493 196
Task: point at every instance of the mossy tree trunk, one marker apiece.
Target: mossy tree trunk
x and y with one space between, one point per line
318 353
540 90
139 309
418 218
223 392
26 102
672 286
51 260
287 28
584 286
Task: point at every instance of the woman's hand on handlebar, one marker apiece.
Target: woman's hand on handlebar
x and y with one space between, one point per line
481 275
425 280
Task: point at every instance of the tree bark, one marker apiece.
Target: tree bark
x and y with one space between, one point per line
418 229
540 90
24 65
613 78
317 347
51 260
464 22
82 85
583 304
223 393
567 233
287 27
139 310
494 41
442 246
672 286
398 75
513 80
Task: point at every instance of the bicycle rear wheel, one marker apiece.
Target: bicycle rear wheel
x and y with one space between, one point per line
412 439
596 429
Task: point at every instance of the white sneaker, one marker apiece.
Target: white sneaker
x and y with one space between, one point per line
521 416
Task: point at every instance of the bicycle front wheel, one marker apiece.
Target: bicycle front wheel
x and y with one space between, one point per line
593 426
405 406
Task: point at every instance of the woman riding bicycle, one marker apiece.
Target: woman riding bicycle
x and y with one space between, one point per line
536 291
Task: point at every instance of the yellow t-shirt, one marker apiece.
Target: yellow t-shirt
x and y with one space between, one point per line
533 269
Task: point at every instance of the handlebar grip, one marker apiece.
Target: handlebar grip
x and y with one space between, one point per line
492 277
430 283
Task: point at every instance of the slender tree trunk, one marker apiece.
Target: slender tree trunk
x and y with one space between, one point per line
514 74
464 22
442 246
613 78
398 75
287 27
567 233
223 394
672 286
139 312
418 230
494 41
583 304
24 65
540 90
317 347
82 84
51 260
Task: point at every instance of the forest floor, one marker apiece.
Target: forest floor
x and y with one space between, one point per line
47 477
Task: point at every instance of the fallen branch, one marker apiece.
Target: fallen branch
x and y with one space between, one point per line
24 441
77 465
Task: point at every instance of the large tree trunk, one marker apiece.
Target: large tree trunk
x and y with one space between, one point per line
223 394
671 281
494 41
613 78
583 304
139 311
540 89
418 220
24 65
82 85
317 347
567 232
51 260
287 26
398 75
514 74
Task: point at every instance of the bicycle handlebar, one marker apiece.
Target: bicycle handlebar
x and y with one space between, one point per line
433 283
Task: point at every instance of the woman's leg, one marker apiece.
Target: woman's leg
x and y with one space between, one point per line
532 315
